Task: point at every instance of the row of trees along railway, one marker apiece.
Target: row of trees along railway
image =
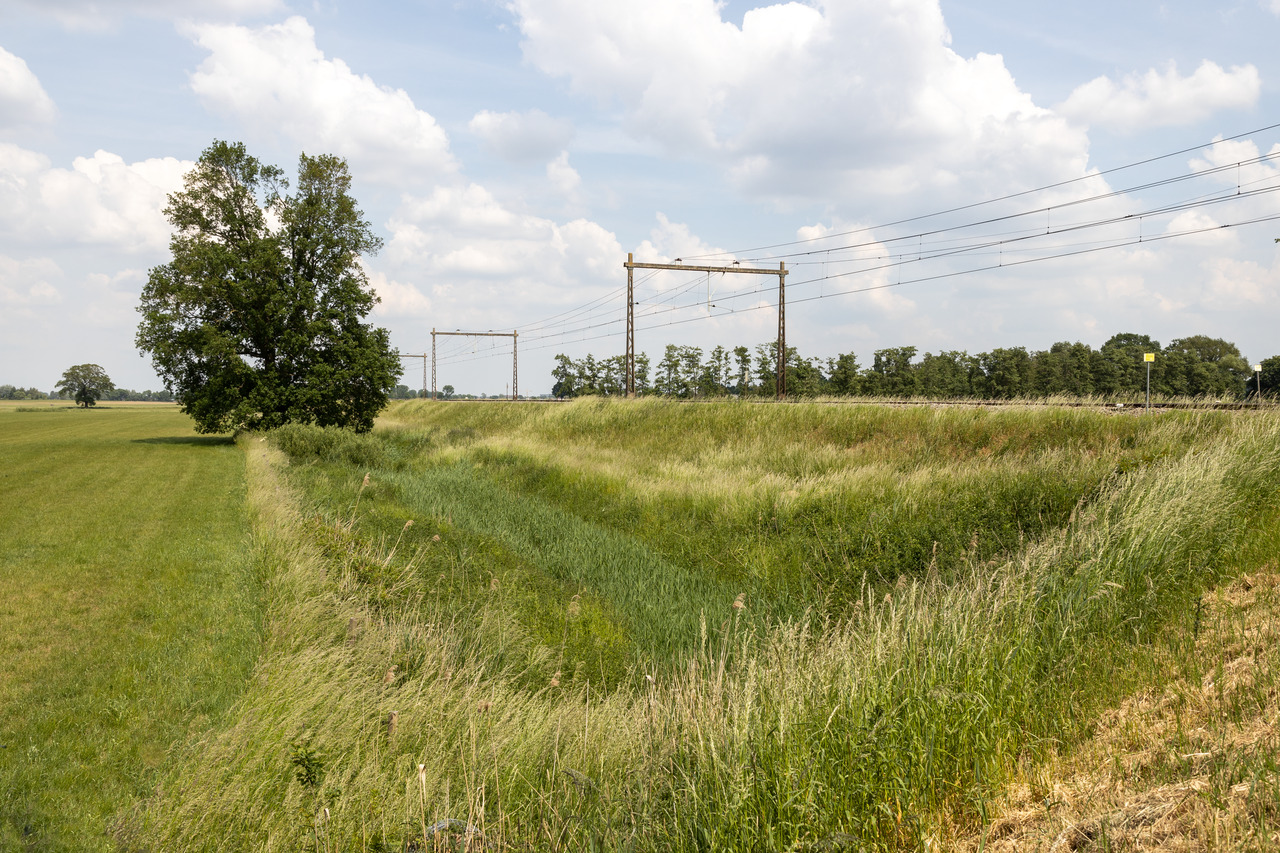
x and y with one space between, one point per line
1196 366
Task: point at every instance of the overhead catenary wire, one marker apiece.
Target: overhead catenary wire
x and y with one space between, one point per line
904 282
884 263
1008 197
576 324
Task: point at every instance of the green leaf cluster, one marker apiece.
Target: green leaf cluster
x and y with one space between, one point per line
257 321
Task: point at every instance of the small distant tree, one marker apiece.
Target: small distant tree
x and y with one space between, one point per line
448 392
85 383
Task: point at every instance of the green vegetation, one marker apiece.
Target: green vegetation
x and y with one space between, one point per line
130 613
1195 366
258 320
10 392
640 625
85 383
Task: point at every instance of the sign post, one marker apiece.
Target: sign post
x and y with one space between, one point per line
1148 357
1257 371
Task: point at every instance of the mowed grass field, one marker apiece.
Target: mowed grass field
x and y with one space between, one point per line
130 610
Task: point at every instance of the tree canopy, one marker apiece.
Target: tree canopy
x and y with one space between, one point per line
257 320
85 383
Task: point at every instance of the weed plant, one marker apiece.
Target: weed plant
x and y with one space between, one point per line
416 692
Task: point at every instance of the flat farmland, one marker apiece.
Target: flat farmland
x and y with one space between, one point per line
129 609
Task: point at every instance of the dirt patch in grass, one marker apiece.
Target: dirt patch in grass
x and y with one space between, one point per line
1191 768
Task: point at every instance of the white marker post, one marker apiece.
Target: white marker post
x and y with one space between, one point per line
1257 371
1148 357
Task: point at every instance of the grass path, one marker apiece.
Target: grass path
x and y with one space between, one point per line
129 610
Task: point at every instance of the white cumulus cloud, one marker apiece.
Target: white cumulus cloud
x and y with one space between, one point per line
276 80
1239 282
476 261
28 282
101 200
807 101
526 136
1157 99
563 177
23 101
670 240
397 298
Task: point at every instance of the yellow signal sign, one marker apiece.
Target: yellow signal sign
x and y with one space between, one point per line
1148 356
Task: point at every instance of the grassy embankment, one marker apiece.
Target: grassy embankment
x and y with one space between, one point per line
129 610
661 627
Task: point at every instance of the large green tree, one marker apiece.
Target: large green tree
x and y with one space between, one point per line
85 383
258 320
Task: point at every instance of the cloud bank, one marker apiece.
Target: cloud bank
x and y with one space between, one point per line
806 101
275 80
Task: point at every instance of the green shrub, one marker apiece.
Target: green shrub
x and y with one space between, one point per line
308 443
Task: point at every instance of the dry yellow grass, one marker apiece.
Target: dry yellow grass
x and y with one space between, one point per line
1189 768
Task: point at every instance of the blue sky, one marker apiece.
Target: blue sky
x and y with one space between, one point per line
511 154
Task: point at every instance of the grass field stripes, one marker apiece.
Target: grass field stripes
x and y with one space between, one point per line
130 615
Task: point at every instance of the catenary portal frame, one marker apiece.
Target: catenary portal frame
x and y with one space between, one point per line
780 272
515 372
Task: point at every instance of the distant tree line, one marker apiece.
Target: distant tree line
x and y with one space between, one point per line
160 396
404 392
1195 366
10 392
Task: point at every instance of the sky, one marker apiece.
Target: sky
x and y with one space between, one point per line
946 175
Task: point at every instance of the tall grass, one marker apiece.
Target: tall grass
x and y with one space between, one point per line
876 727
804 501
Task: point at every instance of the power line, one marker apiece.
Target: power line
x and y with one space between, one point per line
884 262
591 315
918 280
998 199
